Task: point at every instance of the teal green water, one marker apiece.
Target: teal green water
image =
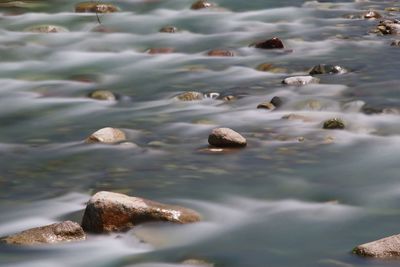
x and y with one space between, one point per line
278 202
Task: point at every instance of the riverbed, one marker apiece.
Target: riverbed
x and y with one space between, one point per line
297 195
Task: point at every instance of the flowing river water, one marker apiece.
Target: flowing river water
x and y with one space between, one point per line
297 195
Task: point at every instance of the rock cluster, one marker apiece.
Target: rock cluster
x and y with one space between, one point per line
105 212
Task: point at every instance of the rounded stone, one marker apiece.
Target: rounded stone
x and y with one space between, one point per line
333 124
109 212
95 7
161 50
371 15
50 234
300 80
276 101
107 135
274 43
102 95
46 29
266 105
202 4
169 29
327 69
225 137
190 96
220 53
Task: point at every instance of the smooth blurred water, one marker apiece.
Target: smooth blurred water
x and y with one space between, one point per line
278 202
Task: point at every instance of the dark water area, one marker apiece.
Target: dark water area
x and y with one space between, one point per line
297 195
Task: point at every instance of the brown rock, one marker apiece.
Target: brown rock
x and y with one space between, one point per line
274 43
50 234
190 96
95 7
169 29
46 29
108 212
225 137
220 53
270 68
383 248
297 117
102 95
327 69
266 105
202 4
162 50
106 135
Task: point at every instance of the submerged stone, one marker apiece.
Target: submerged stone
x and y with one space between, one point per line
109 212
169 29
225 137
327 69
107 135
50 234
46 29
102 95
202 4
268 67
190 96
266 105
276 101
162 50
95 7
300 80
297 117
395 43
371 14
334 123
383 248
197 263
274 43
220 53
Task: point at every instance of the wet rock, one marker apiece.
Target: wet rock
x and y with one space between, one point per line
383 248
169 29
274 43
198 263
395 43
229 98
190 96
162 50
371 14
202 4
107 135
108 212
46 29
50 234
334 123
292 117
276 101
270 68
95 7
212 95
312 105
102 95
102 29
225 137
367 109
327 69
300 80
220 53
266 105
392 9
388 27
